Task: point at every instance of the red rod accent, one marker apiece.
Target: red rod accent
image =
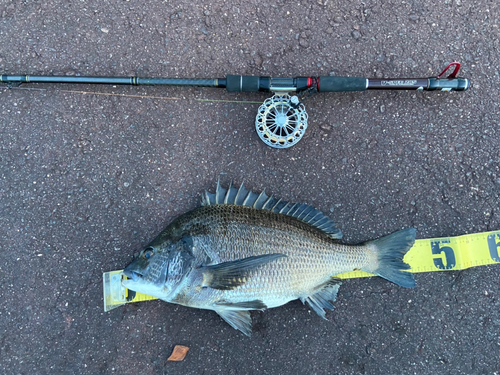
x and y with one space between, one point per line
455 71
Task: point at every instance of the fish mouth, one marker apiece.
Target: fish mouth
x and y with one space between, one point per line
134 275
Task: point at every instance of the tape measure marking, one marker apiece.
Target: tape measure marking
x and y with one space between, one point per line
426 255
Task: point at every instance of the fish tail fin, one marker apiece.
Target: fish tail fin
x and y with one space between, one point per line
390 251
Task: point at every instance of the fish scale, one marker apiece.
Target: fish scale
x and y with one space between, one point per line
243 251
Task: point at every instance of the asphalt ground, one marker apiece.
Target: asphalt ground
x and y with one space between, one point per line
90 174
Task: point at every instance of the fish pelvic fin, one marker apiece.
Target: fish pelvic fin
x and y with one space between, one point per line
390 251
323 297
237 314
229 275
238 319
256 304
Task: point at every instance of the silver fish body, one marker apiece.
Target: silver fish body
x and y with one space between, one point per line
241 251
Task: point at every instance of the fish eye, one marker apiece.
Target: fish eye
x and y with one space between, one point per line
148 253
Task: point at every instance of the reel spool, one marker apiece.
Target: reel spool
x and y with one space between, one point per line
281 121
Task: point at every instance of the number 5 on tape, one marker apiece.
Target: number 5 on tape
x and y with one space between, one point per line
446 254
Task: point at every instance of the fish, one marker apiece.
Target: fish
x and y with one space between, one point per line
242 251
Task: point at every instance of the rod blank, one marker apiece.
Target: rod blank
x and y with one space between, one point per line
115 80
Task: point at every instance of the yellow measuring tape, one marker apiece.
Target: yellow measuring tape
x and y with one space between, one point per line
427 255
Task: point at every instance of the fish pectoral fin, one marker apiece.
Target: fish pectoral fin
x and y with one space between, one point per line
256 304
229 275
321 297
238 319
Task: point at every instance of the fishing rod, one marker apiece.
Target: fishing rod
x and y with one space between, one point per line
282 119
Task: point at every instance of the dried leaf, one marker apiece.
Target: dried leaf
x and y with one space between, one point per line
179 353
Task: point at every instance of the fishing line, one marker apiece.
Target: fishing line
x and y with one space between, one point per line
135 96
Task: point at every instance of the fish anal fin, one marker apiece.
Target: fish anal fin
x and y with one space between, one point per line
229 275
323 296
238 319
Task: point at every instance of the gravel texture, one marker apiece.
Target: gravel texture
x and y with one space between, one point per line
90 174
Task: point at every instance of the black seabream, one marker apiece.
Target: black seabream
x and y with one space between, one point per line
242 251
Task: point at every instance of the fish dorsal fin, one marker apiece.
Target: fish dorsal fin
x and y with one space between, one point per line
243 197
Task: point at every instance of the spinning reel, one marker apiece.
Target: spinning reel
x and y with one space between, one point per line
282 119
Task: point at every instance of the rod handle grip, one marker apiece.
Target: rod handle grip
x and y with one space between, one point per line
339 84
239 83
447 84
